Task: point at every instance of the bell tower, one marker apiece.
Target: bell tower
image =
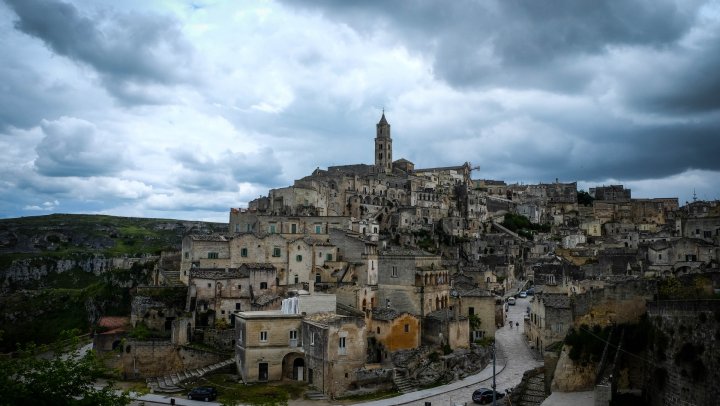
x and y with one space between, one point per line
383 146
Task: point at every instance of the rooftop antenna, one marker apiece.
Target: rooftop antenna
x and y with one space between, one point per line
694 196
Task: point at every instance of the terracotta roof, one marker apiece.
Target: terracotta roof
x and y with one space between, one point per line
114 324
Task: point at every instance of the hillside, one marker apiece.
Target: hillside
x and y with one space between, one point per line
63 271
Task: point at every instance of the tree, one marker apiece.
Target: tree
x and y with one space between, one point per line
584 198
66 378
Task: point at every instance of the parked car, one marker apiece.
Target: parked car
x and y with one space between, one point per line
485 395
206 393
530 291
511 301
523 294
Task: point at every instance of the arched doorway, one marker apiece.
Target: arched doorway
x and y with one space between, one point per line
298 369
293 366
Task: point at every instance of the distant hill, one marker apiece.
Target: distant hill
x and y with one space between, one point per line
60 272
64 235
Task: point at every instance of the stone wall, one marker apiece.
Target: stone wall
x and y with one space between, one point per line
224 339
685 353
143 359
571 376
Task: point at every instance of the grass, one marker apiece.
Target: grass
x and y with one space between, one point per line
232 392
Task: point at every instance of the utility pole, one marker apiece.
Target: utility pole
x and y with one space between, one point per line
493 385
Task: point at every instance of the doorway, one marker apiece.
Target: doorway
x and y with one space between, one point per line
263 371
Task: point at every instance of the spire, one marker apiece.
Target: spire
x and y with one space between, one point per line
383 121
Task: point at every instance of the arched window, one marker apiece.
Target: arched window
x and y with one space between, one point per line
263 285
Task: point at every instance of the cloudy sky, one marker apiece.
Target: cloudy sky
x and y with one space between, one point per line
183 109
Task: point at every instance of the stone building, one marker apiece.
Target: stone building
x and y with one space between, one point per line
335 349
269 346
215 294
390 331
412 281
446 327
473 302
551 316
610 193
203 251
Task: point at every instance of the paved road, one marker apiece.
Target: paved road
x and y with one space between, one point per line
517 358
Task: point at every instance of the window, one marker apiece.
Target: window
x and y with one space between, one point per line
312 339
707 234
263 285
378 330
243 252
272 228
298 258
239 287
213 255
328 257
276 251
237 306
297 279
407 328
209 285
187 255
394 272
318 229
293 228
222 311
263 336
293 334
341 346
471 311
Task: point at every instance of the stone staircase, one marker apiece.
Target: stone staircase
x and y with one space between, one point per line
403 382
172 278
316 395
170 383
530 391
534 393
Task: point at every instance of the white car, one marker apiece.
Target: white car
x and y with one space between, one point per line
523 294
511 301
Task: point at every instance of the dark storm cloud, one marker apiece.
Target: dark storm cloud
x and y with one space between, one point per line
690 85
127 49
74 147
477 43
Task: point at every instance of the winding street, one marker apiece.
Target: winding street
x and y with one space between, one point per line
514 358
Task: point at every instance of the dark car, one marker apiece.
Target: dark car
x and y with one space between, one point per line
206 393
485 395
